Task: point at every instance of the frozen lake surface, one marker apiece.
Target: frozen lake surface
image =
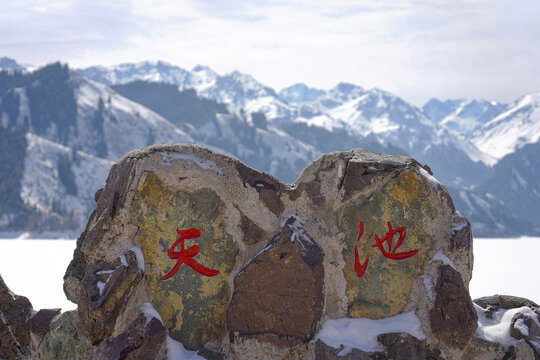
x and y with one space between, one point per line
35 268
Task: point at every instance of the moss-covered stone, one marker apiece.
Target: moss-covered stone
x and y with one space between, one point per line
192 306
384 288
65 341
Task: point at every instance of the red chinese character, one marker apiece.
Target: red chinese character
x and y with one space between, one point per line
358 267
185 256
389 253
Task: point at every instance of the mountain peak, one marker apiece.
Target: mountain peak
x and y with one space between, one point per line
347 88
202 68
300 93
10 64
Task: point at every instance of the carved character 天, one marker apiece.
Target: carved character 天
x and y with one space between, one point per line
185 256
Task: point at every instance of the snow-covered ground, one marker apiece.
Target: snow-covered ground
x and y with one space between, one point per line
35 268
506 267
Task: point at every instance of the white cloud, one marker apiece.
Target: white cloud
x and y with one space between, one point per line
415 49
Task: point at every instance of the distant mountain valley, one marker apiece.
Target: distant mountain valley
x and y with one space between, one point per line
61 129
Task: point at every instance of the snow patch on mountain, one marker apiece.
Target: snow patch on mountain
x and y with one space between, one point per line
126 125
42 187
462 116
517 126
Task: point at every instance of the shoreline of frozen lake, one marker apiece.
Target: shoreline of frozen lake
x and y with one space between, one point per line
35 268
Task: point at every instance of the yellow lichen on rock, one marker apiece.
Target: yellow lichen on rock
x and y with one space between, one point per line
384 289
158 211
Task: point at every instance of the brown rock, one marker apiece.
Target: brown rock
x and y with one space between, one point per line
108 201
105 292
269 188
143 340
405 346
252 233
14 331
506 302
461 238
453 319
362 175
278 296
40 322
325 352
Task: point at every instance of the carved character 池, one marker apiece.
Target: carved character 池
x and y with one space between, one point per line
389 253
185 256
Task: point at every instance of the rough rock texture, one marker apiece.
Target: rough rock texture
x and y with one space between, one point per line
40 322
385 287
65 340
453 319
240 265
325 352
106 288
196 314
524 325
506 302
395 346
405 346
278 296
143 340
14 331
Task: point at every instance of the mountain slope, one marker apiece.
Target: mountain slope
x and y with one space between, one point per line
517 126
69 126
61 133
462 116
249 137
369 116
13 146
515 181
489 216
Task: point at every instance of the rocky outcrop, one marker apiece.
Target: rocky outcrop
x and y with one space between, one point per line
65 340
40 322
14 332
523 327
106 288
237 263
189 251
143 340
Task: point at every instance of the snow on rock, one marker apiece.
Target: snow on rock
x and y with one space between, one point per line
497 328
101 286
140 257
177 351
440 256
361 333
123 260
149 312
432 180
168 157
428 285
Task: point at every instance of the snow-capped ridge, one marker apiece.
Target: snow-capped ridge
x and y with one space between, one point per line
517 126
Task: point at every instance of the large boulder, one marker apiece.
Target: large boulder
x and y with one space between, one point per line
237 264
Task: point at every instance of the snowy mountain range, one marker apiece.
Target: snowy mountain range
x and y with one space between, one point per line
88 118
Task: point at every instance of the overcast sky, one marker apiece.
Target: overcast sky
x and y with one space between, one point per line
416 49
